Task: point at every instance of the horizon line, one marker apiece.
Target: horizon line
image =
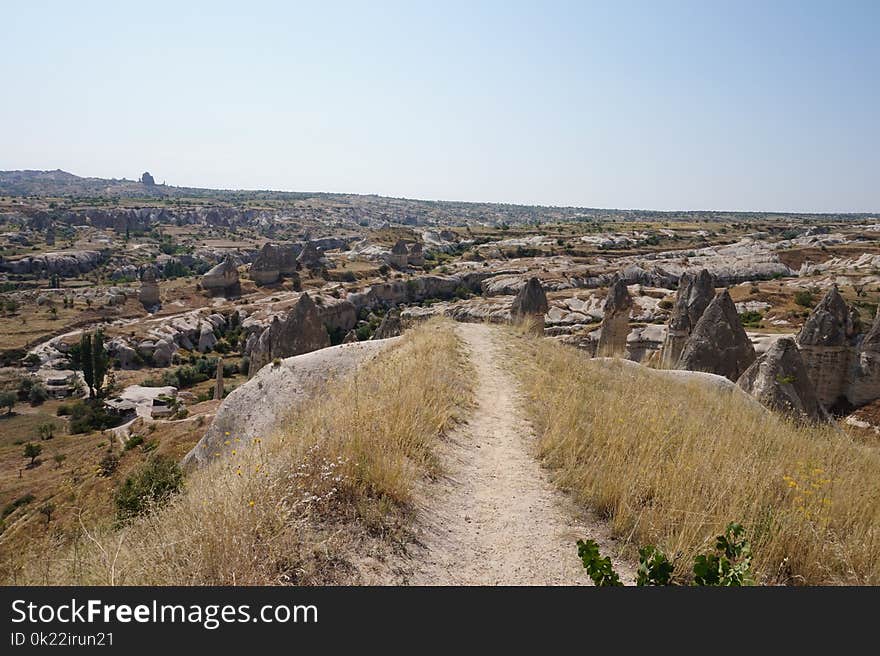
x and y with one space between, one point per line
453 201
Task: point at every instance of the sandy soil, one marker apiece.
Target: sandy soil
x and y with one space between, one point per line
496 518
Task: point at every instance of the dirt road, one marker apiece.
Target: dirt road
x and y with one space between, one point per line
496 518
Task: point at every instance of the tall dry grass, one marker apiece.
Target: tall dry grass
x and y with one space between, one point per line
671 464
308 505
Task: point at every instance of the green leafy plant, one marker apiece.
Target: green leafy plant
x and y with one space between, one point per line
599 568
31 451
654 567
729 564
804 299
151 485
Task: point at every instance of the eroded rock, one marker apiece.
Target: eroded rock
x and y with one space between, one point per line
615 323
778 379
718 343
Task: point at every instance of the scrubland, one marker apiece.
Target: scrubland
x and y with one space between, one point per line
671 464
328 499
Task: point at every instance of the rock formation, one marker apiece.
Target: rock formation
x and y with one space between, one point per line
258 407
865 385
66 263
273 262
207 339
826 343
694 294
127 357
399 255
530 303
266 268
222 279
718 343
50 235
390 326
149 291
163 353
300 332
416 258
778 379
147 179
615 323
310 259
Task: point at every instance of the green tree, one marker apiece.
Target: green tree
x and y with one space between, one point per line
90 357
46 510
100 360
31 451
7 400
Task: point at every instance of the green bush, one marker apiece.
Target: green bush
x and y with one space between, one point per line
751 318
90 415
18 503
600 569
7 400
31 451
38 394
728 564
132 442
804 299
150 486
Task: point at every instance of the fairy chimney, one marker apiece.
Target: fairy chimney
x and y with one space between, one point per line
615 322
826 344
694 294
718 343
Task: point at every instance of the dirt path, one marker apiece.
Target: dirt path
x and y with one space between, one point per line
497 519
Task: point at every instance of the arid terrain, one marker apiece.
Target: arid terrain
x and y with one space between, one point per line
250 387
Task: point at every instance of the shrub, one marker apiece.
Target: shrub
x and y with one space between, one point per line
38 394
132 442
804 299
727 565
147 488
18 503
751 318
599 568
89 415
46 431
31 451
108 464
46 510
7 400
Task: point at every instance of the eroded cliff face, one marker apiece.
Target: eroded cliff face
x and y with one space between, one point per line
301 331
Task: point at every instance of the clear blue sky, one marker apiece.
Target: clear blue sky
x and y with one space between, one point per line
677 105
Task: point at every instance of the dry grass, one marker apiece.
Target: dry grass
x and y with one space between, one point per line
322 501
671 464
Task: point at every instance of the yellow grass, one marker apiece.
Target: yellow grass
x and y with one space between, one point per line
671 464
330 490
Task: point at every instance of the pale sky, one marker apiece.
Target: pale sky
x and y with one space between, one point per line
649 105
